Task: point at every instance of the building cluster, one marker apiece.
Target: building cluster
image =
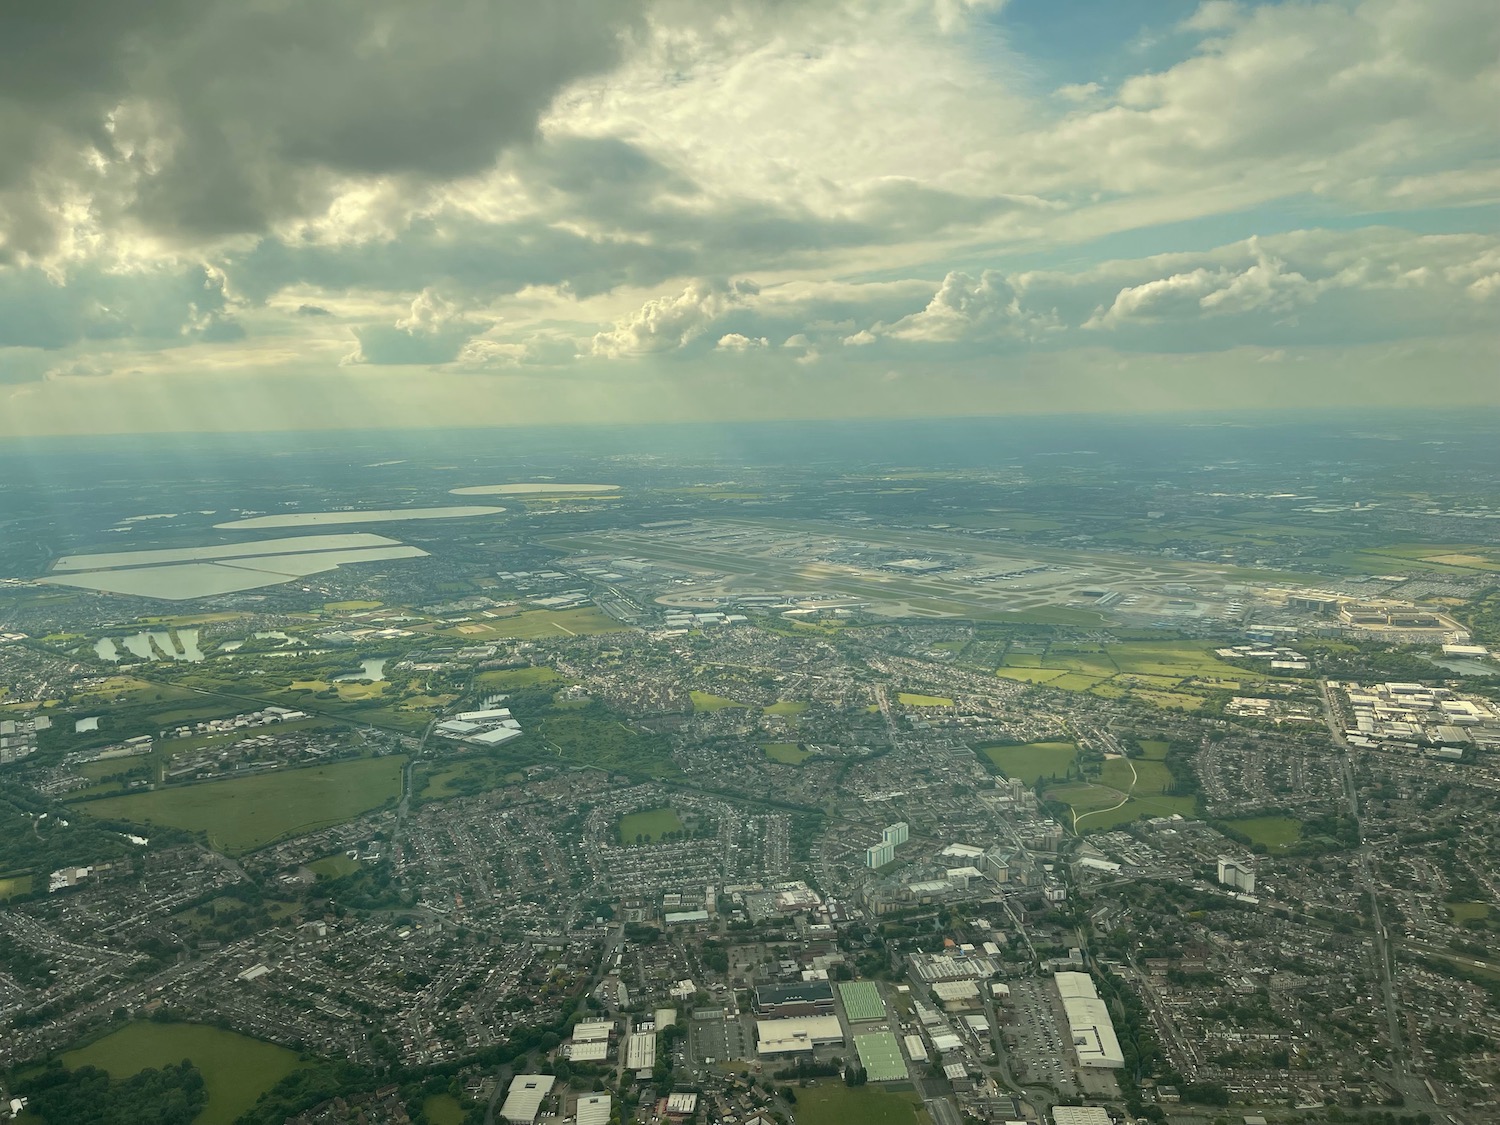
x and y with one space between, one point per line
1411 715
18 737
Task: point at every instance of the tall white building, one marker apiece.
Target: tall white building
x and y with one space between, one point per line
1237 873
880 854
896 834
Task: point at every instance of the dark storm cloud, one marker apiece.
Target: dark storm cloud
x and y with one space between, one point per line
220 116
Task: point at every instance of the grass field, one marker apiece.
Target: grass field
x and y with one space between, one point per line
536 623
786 708
334 866
1168 674
245 813
1272 831
443 1109
1127 790
787 753
236 1069
869 1105
912 699
509 679
15 885
351 607
708 701
1032 761
651 825
1468 911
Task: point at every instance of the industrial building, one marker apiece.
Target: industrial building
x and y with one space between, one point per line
1089 1024
805 998
640 1051
523 1101
593 1109
797 1036
1081 1115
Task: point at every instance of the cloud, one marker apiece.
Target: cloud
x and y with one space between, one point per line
434 331
216 117
968 308
666 324
735 342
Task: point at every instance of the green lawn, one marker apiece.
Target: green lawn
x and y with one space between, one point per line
1158 672
786 708
837 1104
334 866
1467 911
1032 761
443 1109
537 623
650 825
1272 831
912 699
787 753
512 678
708 701
236 1069
15 885
242 814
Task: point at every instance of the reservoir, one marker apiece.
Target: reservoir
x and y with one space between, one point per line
154 644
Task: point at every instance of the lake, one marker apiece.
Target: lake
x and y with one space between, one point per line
141 644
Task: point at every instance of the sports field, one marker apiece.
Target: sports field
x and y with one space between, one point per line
236 1069
1032 761
880 1055
862 1001
650 825
241 814
912 699
787 753
1272 831
708 701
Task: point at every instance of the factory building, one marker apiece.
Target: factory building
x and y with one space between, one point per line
797 1036
1089 1023
524 1099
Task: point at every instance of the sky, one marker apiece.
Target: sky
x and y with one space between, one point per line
223 215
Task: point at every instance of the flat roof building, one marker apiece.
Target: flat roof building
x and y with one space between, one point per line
523 1101
1089 1023
593 1109
794 1036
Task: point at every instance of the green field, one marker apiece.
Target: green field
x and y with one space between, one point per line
786 708
1128 788
15 885
912 699
708 701
443 1109
236 1069
512 678
1468 911
867 1105
245 813
334 866
1166 674
1033 761
536 623
862 1001
651 825
1272 831
787 753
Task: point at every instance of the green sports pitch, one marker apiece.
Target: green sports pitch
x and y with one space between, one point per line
880 1055
862 1001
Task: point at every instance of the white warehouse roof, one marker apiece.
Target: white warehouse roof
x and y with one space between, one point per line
525 1097
778 1037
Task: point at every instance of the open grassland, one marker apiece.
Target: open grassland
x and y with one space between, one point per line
708 701
837 1104
534 624
245 813
509 679
1032 761
236 1069
912 699
351 607
650 825
1170 674
787 753
1468 911
443 1109
786 708
1272 831
15 885
334 866
1127 789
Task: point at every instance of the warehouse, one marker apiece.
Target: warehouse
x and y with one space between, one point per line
795 1036
1089 1025
525 1097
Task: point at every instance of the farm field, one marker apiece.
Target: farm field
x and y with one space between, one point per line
505 679
236 1069
245 813
787 753
869 1105
1032 761
535 623
1170 674
913 699
708 701
650 825
1272 831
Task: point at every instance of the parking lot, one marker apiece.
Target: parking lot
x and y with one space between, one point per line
1041 1051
